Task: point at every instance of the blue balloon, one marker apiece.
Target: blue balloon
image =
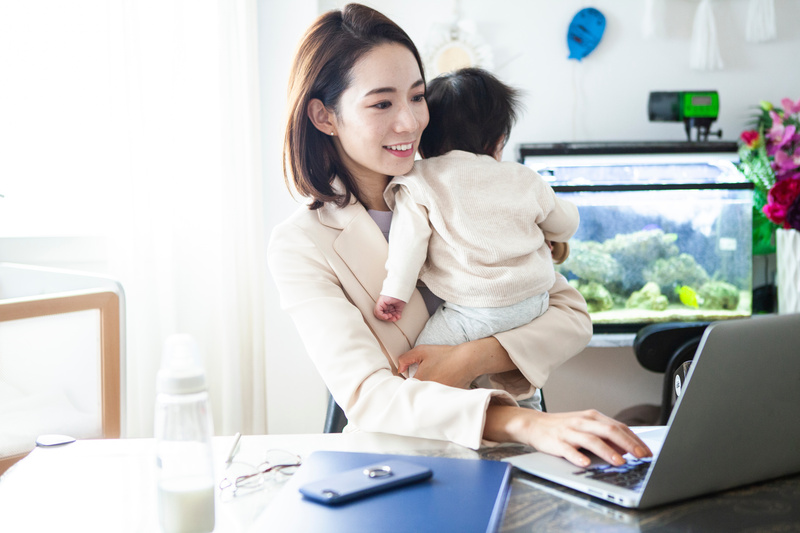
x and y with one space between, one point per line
585 32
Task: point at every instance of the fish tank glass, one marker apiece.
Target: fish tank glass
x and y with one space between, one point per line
662 237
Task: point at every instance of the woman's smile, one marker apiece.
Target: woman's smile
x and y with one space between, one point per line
401 150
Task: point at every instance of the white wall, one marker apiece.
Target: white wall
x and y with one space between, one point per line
603 98
296 395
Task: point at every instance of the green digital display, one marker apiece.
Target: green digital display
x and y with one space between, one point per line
700 104
696 109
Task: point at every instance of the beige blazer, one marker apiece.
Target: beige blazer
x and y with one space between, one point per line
328 265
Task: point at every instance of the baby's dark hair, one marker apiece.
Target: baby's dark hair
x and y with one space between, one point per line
470 110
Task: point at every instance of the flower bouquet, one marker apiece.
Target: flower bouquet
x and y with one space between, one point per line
769 156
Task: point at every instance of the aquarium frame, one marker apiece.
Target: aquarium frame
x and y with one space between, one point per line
625 148
654 187
727 149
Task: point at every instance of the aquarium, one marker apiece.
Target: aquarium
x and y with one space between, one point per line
662 237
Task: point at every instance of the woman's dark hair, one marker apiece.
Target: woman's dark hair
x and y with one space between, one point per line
322 69
470 110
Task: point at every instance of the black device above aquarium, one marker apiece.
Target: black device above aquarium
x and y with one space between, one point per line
665 232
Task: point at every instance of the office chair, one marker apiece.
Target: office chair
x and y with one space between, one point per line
668 348
335 420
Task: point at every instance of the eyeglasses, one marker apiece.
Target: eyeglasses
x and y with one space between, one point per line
243 478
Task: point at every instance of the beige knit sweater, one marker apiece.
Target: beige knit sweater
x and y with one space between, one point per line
473 230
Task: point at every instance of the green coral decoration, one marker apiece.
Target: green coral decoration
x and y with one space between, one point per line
645 245
596 295
644 271
589 262
675 272
637 251
719 295
649 297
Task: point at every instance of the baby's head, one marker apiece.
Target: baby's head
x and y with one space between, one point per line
470 110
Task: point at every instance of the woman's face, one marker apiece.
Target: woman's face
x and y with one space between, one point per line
381 115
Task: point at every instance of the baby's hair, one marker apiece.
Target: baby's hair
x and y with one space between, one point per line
470 110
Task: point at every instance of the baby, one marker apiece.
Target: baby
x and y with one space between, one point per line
474 229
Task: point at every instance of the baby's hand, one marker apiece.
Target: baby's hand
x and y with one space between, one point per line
560 251
389 309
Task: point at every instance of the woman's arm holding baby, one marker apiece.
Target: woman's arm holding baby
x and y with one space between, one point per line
534 349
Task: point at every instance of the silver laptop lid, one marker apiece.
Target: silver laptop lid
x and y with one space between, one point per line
737 421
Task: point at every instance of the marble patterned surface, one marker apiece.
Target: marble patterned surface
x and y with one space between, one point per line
537 505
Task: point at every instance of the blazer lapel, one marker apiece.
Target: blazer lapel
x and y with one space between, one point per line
363 249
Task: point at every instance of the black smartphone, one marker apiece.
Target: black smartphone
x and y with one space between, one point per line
364 481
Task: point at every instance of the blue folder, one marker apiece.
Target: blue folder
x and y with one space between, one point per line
464 495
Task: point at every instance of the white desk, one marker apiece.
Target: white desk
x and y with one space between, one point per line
109 485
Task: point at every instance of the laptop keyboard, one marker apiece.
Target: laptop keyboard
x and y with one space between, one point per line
630 475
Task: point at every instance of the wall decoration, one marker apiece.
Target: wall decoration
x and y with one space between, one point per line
455 45
704 51
760 26
585 32
653 25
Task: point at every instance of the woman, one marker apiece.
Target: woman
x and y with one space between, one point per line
356 113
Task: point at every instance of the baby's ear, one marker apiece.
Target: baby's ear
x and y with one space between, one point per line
498 149
560 252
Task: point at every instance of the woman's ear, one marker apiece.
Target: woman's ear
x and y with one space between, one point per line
321 117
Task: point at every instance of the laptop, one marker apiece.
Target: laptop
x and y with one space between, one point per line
736 422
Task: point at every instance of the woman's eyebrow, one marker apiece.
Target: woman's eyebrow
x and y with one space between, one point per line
381 90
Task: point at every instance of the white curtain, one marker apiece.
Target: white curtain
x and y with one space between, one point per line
186 237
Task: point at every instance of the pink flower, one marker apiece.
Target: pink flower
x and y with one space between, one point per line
774 212
781 142
750 138
781 197
779 134
786 190
789 107
785 163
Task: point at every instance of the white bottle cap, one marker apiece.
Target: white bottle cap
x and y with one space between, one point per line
181 366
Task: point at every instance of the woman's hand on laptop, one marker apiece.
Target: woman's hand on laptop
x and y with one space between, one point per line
565 434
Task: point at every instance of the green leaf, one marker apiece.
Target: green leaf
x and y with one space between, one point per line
763 233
